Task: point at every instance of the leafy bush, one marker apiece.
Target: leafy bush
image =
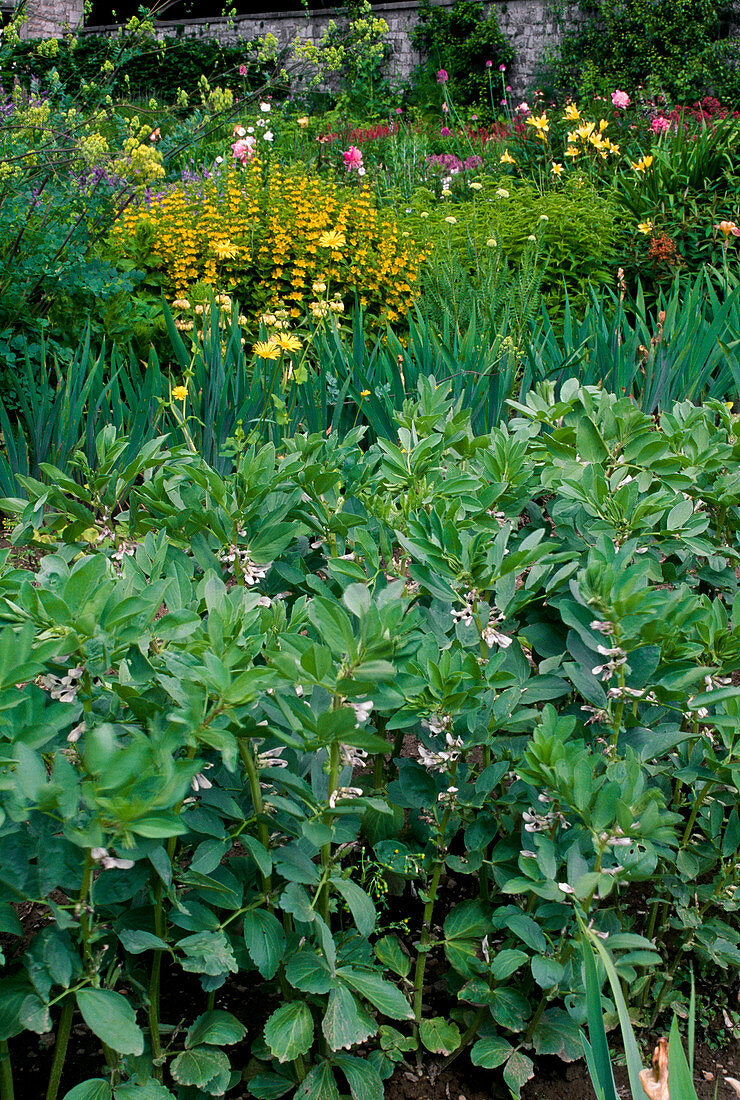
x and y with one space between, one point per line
141 68
671 45
460 40
259 234
576 226
207 700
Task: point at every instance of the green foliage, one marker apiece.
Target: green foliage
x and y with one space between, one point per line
143 68
207 689
576 230
675 47
460 40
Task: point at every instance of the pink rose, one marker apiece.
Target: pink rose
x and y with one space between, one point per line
620 99
352 159
243 149
442 76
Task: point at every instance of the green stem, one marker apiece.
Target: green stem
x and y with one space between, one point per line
250 766
695 810
60 1049
426 929
328 818
84 912
6 1072
468 1035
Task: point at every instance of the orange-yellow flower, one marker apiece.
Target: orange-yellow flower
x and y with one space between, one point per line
179 393
727 228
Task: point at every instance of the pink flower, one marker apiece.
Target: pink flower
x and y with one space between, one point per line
352 159
620 99
508 87
242 70
502 68
445 108
489 64
659 125
442 76
445 131
523 108
243 149
399 110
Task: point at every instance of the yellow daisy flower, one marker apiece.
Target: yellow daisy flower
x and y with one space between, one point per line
267 349
332 239
287 342
179 393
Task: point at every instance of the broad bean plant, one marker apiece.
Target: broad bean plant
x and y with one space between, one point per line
370 732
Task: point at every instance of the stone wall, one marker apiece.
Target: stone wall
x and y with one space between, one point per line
529 25
51 18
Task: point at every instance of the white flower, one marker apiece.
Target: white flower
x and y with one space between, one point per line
601 626
239 131
271 758
108 862
75 733
200 783
345 793
362 710
64 688
350 757
265 107
566 888
219 160
475 186
451 220
448 797
502 193
360 170
268 135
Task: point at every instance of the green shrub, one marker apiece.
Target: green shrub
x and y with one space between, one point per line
576 226
142 69
668 44
459 40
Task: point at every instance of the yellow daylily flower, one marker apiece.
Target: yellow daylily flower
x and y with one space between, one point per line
572 113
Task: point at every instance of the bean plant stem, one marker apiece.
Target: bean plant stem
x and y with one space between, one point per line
426 930
60 1049
328 817
6 1072
250 766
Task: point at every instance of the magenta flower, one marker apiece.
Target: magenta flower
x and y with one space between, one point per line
502 68
660 124
620 99
489 64
352 159
242 70
445 131
399 110
442 76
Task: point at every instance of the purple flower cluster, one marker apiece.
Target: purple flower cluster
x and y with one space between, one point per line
447 164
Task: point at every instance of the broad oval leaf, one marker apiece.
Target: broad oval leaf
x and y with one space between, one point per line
112 1019
265 940
289 1031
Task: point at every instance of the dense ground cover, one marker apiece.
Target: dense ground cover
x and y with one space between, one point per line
369 615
